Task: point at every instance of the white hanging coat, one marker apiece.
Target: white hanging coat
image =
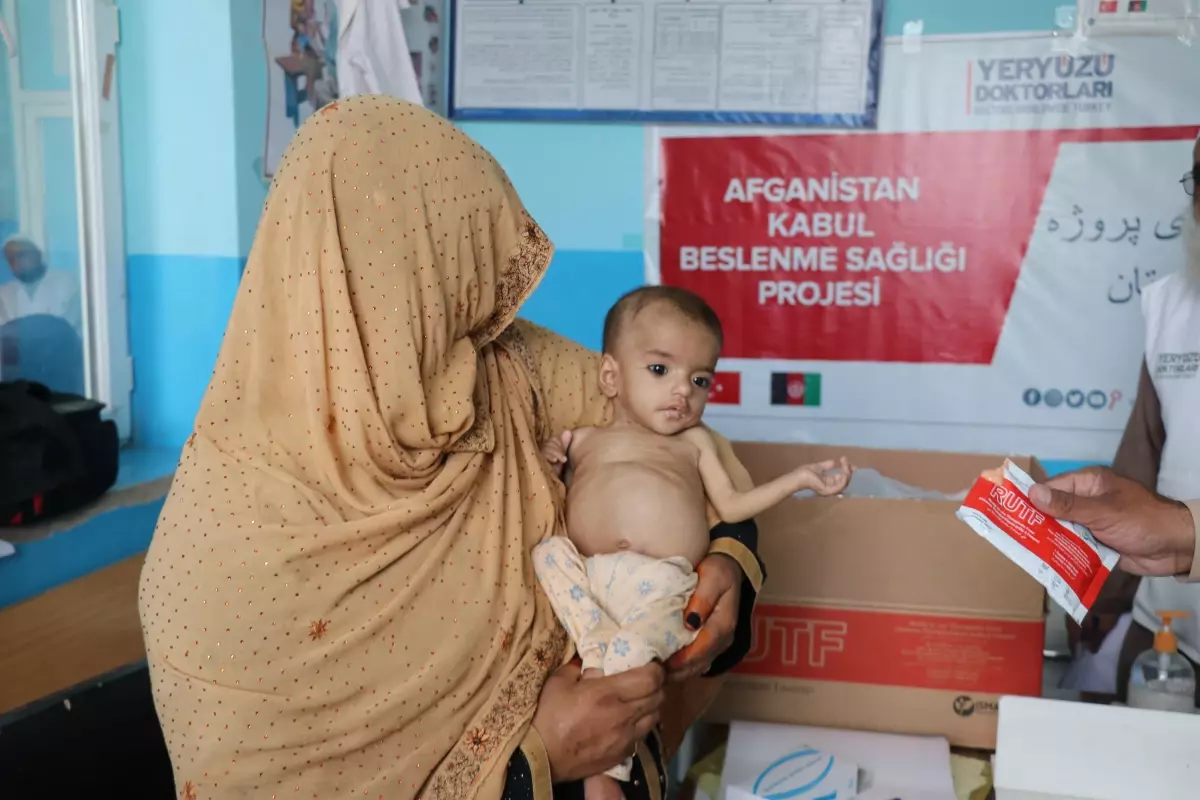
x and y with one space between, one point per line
1172 310
372 53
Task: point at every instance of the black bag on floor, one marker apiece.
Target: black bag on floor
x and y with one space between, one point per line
56 453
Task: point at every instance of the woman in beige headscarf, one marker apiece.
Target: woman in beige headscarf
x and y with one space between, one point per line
338 600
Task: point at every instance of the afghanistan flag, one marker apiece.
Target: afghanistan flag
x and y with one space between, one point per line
795 388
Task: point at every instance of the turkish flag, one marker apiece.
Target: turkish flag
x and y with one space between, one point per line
726 389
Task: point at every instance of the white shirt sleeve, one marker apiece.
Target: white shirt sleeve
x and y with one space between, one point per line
372 51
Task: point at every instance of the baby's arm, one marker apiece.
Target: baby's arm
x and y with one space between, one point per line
557 451
734 506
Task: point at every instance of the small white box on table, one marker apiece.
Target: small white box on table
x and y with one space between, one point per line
792 762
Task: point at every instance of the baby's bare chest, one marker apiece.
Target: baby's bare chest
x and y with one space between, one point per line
637 492
607 448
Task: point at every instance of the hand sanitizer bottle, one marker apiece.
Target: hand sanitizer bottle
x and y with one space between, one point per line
1162 679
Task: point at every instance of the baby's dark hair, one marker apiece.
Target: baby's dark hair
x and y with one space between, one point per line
689 304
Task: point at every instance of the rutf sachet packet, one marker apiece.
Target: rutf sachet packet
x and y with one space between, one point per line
1062 556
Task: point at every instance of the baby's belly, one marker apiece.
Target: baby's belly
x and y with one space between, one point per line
638 508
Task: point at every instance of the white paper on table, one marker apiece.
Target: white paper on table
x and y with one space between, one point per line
891 767
1070 751
6 549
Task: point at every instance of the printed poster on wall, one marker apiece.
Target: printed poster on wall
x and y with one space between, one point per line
786 62
967 278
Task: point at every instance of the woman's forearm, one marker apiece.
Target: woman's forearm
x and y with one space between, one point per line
739 541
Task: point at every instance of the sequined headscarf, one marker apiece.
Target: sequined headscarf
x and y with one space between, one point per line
337 601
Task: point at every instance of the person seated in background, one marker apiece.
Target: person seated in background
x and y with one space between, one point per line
37 288
1160 450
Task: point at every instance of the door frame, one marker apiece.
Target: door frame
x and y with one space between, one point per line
95 34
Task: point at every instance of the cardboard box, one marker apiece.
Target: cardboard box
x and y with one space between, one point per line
885 614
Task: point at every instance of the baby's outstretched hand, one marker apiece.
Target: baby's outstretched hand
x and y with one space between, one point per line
555 451
828 477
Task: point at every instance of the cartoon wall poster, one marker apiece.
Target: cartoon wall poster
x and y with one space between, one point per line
300 44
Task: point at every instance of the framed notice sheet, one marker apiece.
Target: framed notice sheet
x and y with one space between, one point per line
761 62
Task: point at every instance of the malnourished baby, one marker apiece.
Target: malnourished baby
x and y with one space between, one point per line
639 491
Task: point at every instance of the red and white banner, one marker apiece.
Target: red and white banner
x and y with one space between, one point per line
964 279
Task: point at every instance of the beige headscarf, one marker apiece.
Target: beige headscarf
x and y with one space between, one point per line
338 599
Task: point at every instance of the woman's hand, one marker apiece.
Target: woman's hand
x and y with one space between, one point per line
589 726
713 610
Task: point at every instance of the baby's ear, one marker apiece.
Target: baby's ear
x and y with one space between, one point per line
609 373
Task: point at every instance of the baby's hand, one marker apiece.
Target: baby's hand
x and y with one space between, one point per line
555 451
828 477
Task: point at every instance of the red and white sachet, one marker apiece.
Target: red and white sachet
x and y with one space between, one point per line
1062 556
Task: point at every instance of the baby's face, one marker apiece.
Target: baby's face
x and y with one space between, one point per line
663 368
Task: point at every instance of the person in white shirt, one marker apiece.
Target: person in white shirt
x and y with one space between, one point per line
37 288
1161 451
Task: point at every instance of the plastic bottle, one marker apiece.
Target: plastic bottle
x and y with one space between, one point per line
1162 679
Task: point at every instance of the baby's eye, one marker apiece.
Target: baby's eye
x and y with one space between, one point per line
658 369
702 381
